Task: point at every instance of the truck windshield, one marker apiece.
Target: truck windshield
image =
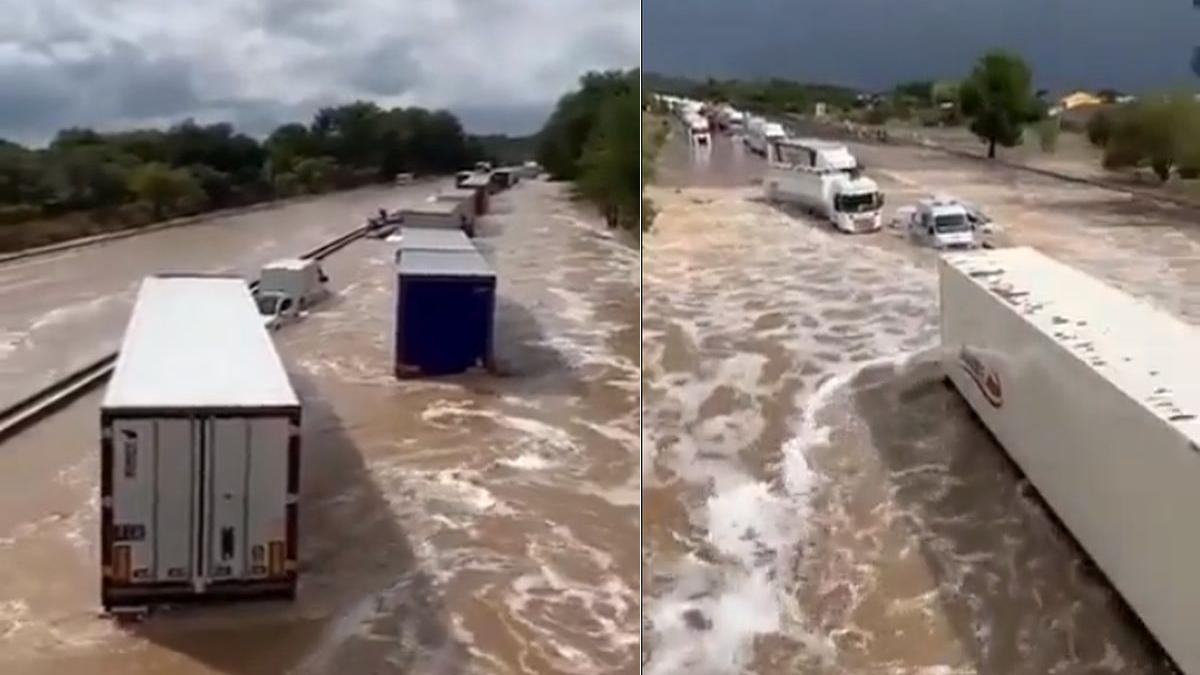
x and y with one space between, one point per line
955 222
266 304
867 201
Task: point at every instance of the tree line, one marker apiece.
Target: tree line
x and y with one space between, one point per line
592 138
134 177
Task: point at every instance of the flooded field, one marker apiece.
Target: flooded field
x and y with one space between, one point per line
816 500
480 524
65 309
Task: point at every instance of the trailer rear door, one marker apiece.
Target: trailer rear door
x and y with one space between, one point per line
246 497
154 494
200 499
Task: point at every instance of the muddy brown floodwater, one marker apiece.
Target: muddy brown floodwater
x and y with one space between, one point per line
816 500
478 524
61 310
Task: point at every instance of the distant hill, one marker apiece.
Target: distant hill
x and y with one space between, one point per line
762 95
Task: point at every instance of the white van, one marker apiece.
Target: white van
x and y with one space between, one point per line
288 287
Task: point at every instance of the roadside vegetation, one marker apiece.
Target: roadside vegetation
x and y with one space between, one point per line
87 182
655 129
592 139
1160 133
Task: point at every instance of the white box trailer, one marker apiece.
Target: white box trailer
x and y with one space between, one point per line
465 198
200 451
1094 395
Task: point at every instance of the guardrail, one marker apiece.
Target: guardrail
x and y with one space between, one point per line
35 407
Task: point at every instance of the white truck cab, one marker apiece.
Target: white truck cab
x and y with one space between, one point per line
943 223
699 129
288 287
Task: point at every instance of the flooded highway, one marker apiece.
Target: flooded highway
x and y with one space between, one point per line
816 500
478 524
63 310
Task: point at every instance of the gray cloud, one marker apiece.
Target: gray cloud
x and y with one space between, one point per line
113 64
876 43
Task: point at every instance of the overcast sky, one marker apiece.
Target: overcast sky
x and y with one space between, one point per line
111 64
1127 44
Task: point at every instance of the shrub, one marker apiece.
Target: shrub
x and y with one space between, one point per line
1048 132
19 213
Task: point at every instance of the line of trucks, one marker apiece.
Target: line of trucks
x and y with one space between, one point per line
200 442
826 180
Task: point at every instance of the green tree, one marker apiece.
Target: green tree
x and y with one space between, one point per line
1048 131
1100 126
1161 132
23 176
289 144
998 99
610 167
563 137
164 188
88 175
316 174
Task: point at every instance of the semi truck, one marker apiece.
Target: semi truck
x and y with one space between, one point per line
466 199
1091 393
698 129
199 452
444 214
847 199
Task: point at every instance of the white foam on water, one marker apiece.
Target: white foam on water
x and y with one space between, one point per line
75 310
10 341
528 461
754 527
596 594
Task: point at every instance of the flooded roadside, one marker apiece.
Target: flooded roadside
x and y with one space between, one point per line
476 524
816 500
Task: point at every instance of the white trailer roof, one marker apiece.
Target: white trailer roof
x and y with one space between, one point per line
1142 349
434 239
197 341
439 207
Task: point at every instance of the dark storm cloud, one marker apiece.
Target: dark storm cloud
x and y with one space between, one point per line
120 63
876 43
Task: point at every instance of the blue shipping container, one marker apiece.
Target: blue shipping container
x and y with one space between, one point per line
445 306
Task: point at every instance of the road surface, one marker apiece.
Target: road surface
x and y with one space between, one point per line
815 499
478 524
62 310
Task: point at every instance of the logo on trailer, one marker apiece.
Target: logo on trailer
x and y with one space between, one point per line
985 378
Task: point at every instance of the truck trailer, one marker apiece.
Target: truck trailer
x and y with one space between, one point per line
445 305
761 134
850 201
436 214
199 452
1091 393
425 239
467 199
